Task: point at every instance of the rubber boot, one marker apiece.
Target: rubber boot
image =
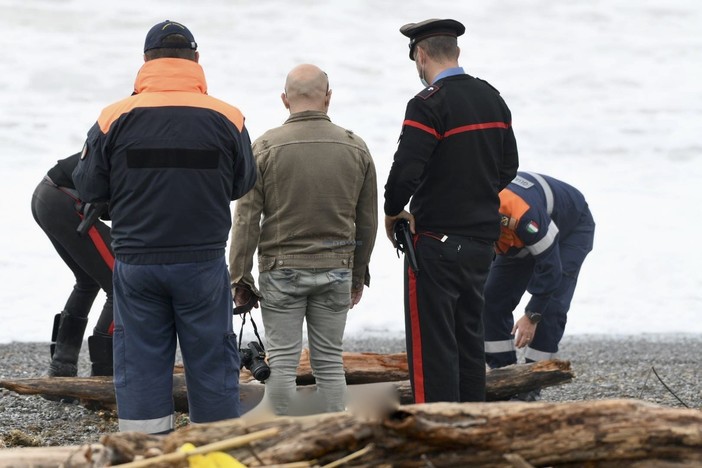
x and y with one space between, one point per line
67 339
100 347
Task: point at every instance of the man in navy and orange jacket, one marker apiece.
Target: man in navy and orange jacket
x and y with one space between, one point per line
170 159
547 231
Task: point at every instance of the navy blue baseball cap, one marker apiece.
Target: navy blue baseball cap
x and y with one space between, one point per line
157 37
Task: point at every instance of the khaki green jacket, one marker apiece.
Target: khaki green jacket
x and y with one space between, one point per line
314 204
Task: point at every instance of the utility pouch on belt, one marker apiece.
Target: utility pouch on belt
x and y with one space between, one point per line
403 239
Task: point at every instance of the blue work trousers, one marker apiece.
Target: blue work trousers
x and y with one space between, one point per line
508 281
156 306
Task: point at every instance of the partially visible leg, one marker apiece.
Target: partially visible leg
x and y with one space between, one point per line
89 258
504 288
70 325
431 298
573 249
144 348
283 311
474 260
326 320
202 303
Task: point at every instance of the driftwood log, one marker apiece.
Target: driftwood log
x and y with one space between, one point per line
604 433
98 392
360 368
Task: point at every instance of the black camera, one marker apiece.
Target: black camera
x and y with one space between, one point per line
254 359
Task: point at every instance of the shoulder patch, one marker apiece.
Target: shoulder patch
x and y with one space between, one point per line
427 92
522 182
480 79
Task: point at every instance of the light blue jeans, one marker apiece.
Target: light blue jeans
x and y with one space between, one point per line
291 296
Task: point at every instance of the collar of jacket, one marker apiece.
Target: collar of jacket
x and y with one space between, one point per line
308 115
170 74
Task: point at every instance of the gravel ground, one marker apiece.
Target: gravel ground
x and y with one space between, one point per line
605 367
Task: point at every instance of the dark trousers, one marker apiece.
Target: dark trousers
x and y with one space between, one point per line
90 257
443 319
156 307
508 281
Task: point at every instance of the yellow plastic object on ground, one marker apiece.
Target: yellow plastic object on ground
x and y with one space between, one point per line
210 460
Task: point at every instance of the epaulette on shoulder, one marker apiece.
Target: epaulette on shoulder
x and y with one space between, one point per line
427 92
496 90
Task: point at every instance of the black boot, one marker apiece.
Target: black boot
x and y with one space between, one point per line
67 339
100 347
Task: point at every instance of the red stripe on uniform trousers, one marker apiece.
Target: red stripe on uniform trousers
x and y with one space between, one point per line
417 362
101 247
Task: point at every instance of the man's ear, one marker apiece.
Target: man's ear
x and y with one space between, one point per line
284 98
197 57
419 58
327 99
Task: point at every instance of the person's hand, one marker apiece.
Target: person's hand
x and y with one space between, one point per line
524 331
356 295
242 296
390 224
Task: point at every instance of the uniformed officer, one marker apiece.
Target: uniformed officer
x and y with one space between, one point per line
547 231
58 209
456 152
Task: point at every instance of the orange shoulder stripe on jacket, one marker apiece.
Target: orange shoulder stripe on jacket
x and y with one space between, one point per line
169 99
512 205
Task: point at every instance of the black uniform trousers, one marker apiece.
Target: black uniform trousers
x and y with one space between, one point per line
90 258
443 318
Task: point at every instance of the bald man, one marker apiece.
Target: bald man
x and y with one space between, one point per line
313 217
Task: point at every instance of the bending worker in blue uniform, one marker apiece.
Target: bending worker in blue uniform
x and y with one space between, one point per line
547 231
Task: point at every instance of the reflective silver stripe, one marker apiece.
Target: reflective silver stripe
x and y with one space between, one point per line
536 355
499 346
547 191
522 253
545 242
149 426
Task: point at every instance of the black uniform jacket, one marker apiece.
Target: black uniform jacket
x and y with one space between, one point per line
456 152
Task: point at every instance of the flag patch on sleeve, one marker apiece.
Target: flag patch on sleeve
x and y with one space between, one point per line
532 227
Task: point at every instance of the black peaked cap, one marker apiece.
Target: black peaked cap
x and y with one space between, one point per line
428 28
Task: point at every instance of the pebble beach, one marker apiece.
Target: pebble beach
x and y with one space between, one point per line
661 369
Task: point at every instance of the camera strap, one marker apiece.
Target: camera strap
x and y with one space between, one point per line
255 329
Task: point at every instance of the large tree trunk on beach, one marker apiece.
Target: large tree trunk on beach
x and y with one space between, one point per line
98 392
604 433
